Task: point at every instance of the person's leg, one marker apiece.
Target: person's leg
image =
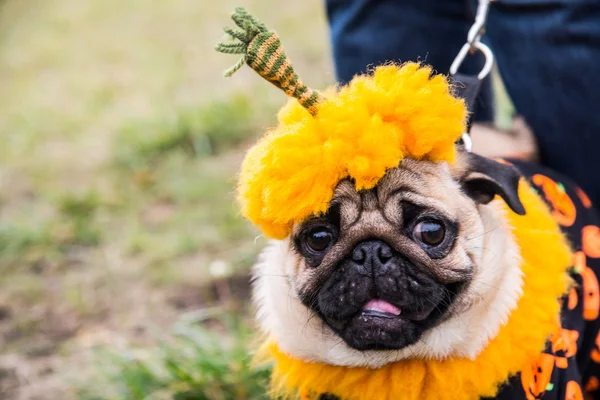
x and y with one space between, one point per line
371 32
548 54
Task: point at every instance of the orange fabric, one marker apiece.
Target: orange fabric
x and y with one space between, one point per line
564 210
564 342
585 200
590 239
573 391
596 350
573 300
591 290
536 376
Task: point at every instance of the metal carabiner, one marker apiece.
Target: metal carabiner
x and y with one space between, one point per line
462 54
478 28
474 42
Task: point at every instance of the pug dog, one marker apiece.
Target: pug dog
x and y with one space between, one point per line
423 266
446 279
410 268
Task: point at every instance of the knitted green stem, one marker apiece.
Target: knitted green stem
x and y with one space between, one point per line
261 49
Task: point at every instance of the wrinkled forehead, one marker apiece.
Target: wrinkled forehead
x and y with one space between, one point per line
423 183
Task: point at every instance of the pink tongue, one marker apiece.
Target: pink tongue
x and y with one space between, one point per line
383 306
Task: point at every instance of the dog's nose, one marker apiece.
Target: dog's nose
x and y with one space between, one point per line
372 257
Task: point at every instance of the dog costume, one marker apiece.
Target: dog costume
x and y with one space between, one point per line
549 345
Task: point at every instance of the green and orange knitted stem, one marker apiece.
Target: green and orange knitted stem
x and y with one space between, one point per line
261 49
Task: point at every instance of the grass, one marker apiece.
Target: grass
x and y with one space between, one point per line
192 362
120 142
203 132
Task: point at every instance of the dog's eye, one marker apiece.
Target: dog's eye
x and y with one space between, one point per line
319 240
431 233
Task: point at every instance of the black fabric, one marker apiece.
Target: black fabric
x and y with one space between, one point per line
467 87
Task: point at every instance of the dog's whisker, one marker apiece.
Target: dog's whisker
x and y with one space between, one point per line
273 275
421 340
337 343
483 234
487 306
488 284
412 352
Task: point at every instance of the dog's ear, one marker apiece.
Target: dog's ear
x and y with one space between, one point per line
484 178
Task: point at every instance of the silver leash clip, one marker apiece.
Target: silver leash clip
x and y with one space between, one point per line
472 45
478 28
474 42
466 142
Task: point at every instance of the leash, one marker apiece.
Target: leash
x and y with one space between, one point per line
468 86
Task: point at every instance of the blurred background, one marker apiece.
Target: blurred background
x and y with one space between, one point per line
123 259
124 262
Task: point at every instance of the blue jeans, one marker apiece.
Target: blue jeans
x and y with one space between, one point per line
547 51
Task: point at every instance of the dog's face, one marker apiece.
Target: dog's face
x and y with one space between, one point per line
384 266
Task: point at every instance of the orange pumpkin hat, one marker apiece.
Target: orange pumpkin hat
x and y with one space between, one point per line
359 131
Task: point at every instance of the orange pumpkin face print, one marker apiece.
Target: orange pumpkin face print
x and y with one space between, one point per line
592 384
585 200
591 387
591 295
590 240
573 299
595 355
573 391
563 209
536 376
564 346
